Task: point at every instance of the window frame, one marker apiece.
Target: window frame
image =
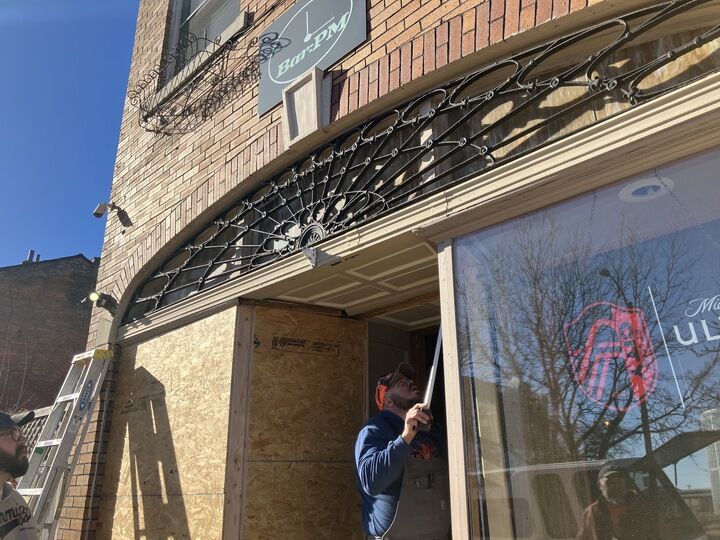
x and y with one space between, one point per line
668 129
170 79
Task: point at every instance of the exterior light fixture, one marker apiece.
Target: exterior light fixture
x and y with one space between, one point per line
306 105
102 300
646 189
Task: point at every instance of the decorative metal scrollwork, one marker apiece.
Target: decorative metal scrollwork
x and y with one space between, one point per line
223 73
446 136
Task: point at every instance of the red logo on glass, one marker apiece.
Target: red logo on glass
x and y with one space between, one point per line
612 356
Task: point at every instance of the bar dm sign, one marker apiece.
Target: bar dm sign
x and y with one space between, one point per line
311 33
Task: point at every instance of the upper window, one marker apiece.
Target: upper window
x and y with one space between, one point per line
198 23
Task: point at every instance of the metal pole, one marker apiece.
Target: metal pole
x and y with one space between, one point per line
644 416
433 370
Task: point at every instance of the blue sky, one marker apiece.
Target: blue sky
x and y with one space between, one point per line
64 70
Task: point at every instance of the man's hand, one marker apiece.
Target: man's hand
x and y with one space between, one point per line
413 418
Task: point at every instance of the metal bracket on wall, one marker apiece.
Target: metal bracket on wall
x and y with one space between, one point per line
311 254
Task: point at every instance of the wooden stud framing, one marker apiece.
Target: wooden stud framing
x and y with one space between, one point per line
394 308
237 426
296 306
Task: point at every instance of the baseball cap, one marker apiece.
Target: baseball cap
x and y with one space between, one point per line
8 421
388 380
609 469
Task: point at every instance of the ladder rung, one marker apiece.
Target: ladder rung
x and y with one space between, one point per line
98 354
67 397
30 492
49 442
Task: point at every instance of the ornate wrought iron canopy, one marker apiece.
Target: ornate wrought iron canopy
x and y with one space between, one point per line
449 135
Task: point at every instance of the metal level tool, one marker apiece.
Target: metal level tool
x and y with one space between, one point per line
45 483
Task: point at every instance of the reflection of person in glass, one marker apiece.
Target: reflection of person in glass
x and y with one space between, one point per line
620 513
401 472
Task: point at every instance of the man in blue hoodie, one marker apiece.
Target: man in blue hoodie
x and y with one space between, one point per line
400 470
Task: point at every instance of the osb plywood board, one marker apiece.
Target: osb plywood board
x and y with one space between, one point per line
168 443
175 516
306 406
306 397
299 501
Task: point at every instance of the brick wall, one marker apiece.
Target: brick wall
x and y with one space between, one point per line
409 39
42 325
164 182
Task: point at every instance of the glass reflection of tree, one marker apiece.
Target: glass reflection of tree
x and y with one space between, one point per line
540 281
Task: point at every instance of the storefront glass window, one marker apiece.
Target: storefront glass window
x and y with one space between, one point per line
589 337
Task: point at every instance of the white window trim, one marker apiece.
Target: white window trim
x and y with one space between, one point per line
457 458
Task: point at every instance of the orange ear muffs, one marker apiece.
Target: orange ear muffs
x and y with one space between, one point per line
380 391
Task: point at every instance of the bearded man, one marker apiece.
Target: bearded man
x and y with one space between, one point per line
15 515
400 470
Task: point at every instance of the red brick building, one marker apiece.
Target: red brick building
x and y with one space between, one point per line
302 201
44 324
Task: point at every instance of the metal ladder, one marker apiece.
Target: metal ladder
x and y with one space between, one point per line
45 483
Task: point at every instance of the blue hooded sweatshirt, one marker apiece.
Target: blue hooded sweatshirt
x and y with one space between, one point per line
380 454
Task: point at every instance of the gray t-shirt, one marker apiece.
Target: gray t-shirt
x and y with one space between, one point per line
15 522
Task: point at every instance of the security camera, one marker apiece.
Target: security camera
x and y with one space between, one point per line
103 208
100 210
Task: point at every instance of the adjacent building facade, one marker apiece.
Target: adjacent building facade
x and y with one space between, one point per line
44 323
313 189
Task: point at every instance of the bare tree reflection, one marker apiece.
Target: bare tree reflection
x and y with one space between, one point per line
522 295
